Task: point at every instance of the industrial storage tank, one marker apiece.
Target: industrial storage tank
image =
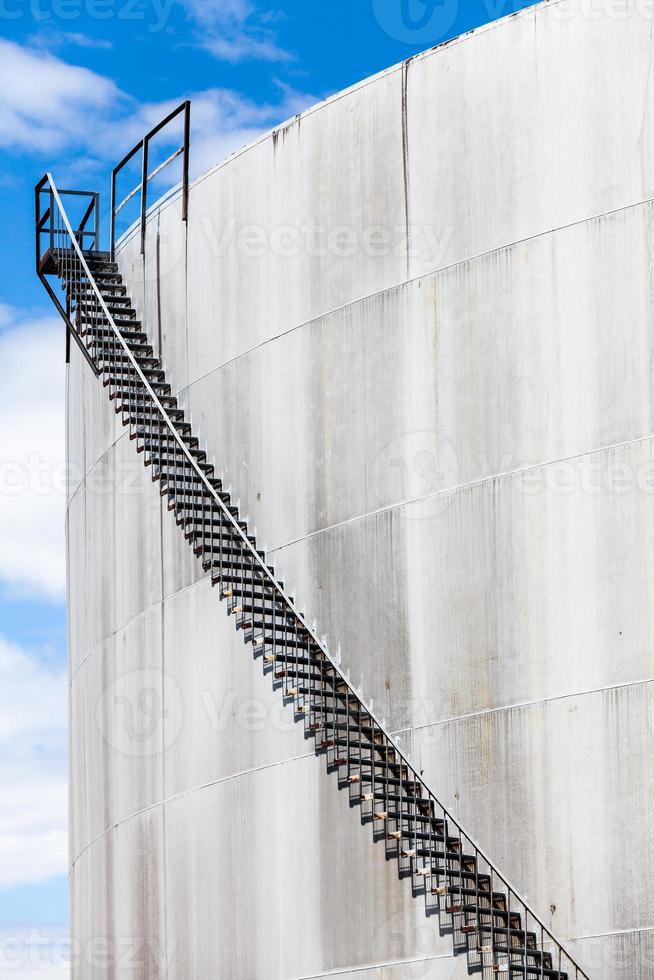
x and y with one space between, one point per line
413 330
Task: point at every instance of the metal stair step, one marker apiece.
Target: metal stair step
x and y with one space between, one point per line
85 288
120 322
97 333
160 388
518 970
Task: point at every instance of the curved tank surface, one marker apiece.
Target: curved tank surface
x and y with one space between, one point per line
414 329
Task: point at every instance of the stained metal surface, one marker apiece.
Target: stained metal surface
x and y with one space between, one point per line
491 923
510 633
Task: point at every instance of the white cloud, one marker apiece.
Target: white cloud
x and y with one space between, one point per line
245 47
233 30
87 120
52 38
6 315
33 804
222 121
36 851
32 455
53 106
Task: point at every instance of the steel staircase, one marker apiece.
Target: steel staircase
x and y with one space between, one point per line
489 922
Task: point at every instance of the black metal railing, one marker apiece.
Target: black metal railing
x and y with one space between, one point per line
83 233
143 147
47 238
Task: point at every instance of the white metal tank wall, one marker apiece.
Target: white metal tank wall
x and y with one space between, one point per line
413 329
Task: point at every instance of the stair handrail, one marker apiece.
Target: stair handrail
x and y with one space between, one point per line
580 974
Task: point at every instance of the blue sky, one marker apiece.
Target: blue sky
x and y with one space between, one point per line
80 80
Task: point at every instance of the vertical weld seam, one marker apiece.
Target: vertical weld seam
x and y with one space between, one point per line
405 157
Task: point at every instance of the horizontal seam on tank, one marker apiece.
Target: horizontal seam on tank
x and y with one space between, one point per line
142 612
187 792
175 392
376 966
96 462
607 935
282 762
103 639
465 486
432 274
524 704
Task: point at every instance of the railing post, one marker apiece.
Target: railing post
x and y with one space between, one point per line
37 215
51 221
144 193
112 219
187 140
96 209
